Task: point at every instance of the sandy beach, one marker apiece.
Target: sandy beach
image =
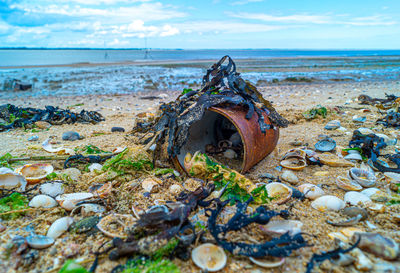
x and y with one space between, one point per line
291 100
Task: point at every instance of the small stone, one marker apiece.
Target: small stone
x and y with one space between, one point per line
42 124
146 194
231 154
332 125
290 177
72 173
70 136
33 138
71 250
117 129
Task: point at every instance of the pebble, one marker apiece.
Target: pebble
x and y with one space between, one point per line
42 124
73 173
33 138
332 125
117 129
70 136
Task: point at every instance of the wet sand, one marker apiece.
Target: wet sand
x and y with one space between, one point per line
290 101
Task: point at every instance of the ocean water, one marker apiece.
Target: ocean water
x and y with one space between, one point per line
266 67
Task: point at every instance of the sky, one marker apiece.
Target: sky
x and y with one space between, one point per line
201 24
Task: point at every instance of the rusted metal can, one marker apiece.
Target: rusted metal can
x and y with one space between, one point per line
256 145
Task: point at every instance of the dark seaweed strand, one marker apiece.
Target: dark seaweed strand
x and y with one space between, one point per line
277 247
319 258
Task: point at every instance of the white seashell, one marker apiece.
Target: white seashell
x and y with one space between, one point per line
311 191
375 194
355 198
279 227
347 184
385 137
10 179
229 153
95 166
362 263
279 192
87 209
365 131
353 156
34 173
39 241
69 200
42 201
175 189
52 189
116 225
151 184
209 257
364 175
290 177
267 263
59 227
392 177
377 207
61 150
328 202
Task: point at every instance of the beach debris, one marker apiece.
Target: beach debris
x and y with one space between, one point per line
71 136
332 125
209 257
11 205
39 241
311 191
325 145
280 227
290 177
34 173
116 225
314 112
365 99
20 117
279 192
347 184
10 179
328 202
355 198
59 226
42 201
70 200
117 129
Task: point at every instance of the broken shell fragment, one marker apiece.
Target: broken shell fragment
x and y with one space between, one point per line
363 176
88 209
116 225
95 167
328 202
347 184
39 241
349 222
46 145
175 189
354 211
10 179
101 190
294 153
69 200
294 163
34 173
362 263
311 191
279 227
42 201
334 161
209 257
378 245
290 177
375 194
280 193
59 226
355 198
267 263
151 184
52 189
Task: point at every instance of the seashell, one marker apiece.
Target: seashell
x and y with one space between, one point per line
365 131
279 192
375 194
385 137
191 184
209 257
116 225
61 150
294 163
343 260
137 211
72 173
392 177
52 189
267 263
95 166
350 231
370 225
325 145
42 201
296 153
334 161
355 198
339 236
378 245
362 263
88 209
377 208
69 200
34 173
347 184
10 179
229 153
175 189
101 190
384 268
39 241
353 156
151 184
328 202
290 177
349 222
311 191
332 125
279 227
59 226
359 119
363 175
354 211
381 162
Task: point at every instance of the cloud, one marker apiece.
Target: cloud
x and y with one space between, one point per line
224 27
244 2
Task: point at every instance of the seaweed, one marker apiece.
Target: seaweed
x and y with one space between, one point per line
314 112
4 160
276 247
123 162
13 202
70 266
91 149
143 264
